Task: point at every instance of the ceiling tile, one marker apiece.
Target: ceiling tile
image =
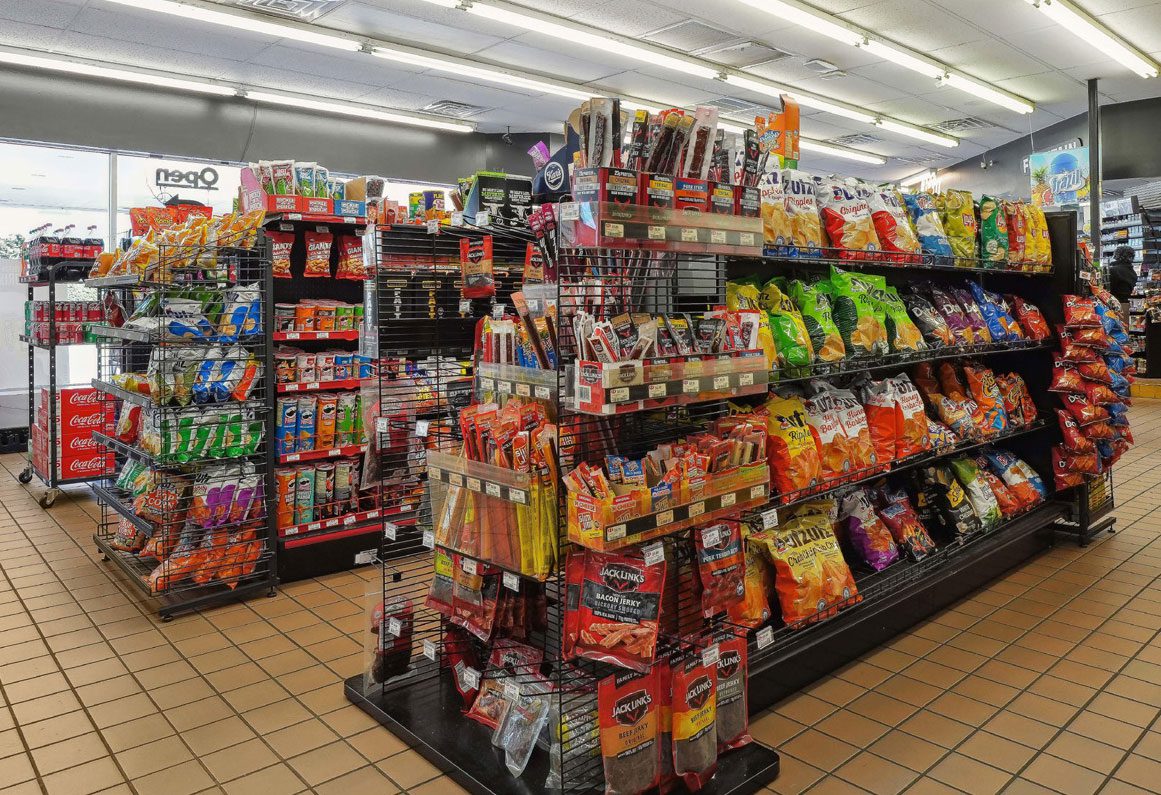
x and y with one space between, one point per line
1141 27
49 13
989 59
853 88
1046 88
367 20
629 19
993 18
146 27
22 34
661 89
527 51
912 24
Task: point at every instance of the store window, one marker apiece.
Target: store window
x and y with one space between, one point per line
150 181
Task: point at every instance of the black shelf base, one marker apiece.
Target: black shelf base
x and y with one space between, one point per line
436 728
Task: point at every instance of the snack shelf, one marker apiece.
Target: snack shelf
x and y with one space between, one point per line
47 346
319 455
317 386
586 225
115 499
508 379
162 462
315 218
348 520
36 281
122 280
147 401
307 336
881 260
498 482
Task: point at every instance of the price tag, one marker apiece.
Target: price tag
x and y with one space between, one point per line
457 218
770 519
614 230
511 582
619 394
504 387
656 233
474 484
382 425
322 335
471 679
365 557
293 457
615 533
518 495
721 382
696 509
487 384
654 553
469 566
657 390
711 536
511 691
524 390
568 211
717 236
543 393
689 235
390 531
664 518
313 526
492 489
710 655
691 386
757 492
745 379
311 385
429 650
433 226
429 539
394 627
729 499
765 637
498 311
746 238
293 335
483 219
421 427
465 306
454 478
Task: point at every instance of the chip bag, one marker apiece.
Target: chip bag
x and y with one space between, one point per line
857 315
903 335
997 315
791 339
979 494
860 449
846 216
912 435
1030 318
955 511
318 254
795 464
1064 476
993 231
929 321
280 245
986 394
1014 217
892 222
1020 478
940 436
973 314
928 224
1083 409
1007 501
818 318
829 436
866 531
878 401
776 226
953 314
1074 440
1072 350
802 209
895 509
1080 312
957 210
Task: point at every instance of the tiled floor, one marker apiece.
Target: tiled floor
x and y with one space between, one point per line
1049 680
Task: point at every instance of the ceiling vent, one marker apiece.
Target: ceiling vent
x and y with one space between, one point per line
743 54
920 160
733 106
691 36
824 69
855 139
456 110
304 10
966 124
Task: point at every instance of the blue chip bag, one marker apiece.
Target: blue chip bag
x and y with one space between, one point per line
928 226
1112 324
997 315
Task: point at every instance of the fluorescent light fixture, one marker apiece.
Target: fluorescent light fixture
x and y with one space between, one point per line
984 91
912 131
916 179
808 145
246 22
905 59
463 69
579 34
808 18
358 111
1084 27
806 100
109 73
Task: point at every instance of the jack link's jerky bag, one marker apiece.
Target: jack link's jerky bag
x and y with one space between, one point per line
694 714
627 707
928 224
802 208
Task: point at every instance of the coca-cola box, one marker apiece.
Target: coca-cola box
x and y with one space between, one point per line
80 410
77 457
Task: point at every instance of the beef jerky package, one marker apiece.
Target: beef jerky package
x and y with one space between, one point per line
721 565
509 659
733 715
695 738
393 654
460 654
479 280
627 708
665 723
620 605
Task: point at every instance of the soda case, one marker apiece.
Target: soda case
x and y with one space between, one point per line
80 411
77 457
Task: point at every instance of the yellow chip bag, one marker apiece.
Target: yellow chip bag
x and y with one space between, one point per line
959 222
802 209
776 224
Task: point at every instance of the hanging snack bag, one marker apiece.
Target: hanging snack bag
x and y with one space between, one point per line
754 609
1030 318
721 566
957 209
954 315
1014 217
906 528
1100 394
818 317
1080 312
878 402
936 332
866 531
985 392
978 492
509 660
627 706
619 609
955 511
318 254
903 335
1020 478
1009 503
1095 371
998 317
928 224
351 265
280 245
892 222
1084 410
1066 377
1065 476
1074 439
802 209
733 714
694 716
993 230
476 268
846 217
857 315
911 426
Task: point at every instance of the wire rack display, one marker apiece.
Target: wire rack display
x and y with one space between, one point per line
480 591
184 364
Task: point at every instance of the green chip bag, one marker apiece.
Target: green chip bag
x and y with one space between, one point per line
791 340
815 307
958 211
859 319
979 493
903 335
993 230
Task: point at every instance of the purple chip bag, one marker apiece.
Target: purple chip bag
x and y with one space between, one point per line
940 434
866 531
953 314
975 315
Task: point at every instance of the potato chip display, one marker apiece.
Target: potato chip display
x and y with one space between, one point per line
973 313
829 436
928 224
1014 217
912 435
894 508
957 210
1030 318
776 225
955 512
857 315
866 531
817 315
936 332
791 339
802 209
1074 440
993 230
903 335
1063 475
795 464
979 494
1020 478
892 221
846 217
985 392
878 401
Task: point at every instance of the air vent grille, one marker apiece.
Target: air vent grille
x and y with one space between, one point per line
856 139
691 36
966 124
456 110
305 10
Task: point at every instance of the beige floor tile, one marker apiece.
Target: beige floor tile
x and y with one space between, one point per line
852 727
69 753
16 769
89 777
936 728
996 751
239 760
1062 776
184 779
140 731
142 760
1025 731
54 730
813 747
279 778
876 774
331 761
279 715
370 779
794 777
300 738
965 773
1086 752
376 744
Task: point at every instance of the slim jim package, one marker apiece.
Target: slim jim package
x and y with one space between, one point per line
476 268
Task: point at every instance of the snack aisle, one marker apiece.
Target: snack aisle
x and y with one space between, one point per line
184 363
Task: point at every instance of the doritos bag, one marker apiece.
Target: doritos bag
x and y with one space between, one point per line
973 313
953 314
866 531
927 319
1083 409
1074 440
1064 477
1066 377
794 459
1030 318
1080 312
846 216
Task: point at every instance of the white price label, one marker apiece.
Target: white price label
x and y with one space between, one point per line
498 311
568 211
429 650
511 691
492 489
745 379
293 335
721 382
656 232
765 637
717 236
470 566
696 509
504 387
390 531
729 499
710 655
770 519
654 553
311 385
691 386
746 238
518 495
543 393
619 394
483 219
757 492
615 533
314 526
454 478
487 384
657 390
471 679
365 557
465 306
474 484
429 539
711 536
421 427
689 235
664 518
524 390
457 218
614 230
433 226
322 335
511 582
394 627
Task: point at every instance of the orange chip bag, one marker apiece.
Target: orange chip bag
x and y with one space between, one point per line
754 609
794 459
982 383
910 421
861 450
318 254
879 408
827 428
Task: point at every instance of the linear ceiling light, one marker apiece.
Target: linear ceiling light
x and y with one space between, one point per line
358 111
823 148
109 73
806 100
840 30
1084 27
915 179
246 22
465 69
917 132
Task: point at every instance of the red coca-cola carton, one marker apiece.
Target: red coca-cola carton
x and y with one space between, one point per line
76 457
80 410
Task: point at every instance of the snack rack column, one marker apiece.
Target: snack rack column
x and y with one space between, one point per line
184 365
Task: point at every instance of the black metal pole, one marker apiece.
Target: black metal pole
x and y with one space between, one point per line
1094 168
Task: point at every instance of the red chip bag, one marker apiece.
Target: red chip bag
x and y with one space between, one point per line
878 401
1064 477
1080 312
318 254
1092 337
721 565
1074 440
1072 350
1099 430
1084 463
1066 377
1126 434
351 264
1010 393
1100 394
280 245
627 708
1031 319
619 609
1083 409
795 464
1095 371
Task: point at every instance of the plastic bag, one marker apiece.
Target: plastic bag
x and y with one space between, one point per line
997 315
878 401
1080 312
903 335
979 494
911 427
802 209
795 464
957 210
1030 318
901 519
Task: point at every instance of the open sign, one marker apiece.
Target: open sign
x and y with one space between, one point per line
206 179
